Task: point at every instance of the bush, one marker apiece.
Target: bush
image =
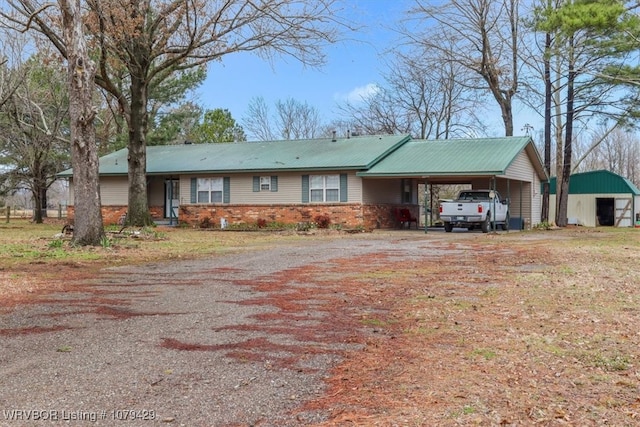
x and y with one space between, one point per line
206 222
322 221
261 223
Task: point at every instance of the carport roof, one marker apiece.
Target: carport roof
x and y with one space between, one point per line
456 158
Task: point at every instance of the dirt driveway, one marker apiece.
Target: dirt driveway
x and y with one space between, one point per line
377 329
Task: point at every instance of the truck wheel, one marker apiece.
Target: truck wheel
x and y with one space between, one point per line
448 227
486 224
505 224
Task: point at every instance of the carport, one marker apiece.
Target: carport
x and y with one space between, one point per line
510 165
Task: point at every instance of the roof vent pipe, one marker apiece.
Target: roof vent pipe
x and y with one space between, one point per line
334 137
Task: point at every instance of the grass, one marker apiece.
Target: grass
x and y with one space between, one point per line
22 242
31 254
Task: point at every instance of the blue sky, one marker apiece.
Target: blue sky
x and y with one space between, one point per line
353 68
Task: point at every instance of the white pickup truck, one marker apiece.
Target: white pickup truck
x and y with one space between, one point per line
473 208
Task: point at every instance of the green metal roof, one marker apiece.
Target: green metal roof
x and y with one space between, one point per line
355 153
456 157
597 182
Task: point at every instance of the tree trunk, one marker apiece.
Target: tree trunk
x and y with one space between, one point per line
138 213
88 227
40 201
507 115
547 126
561 217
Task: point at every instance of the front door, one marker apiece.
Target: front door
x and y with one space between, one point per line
172 198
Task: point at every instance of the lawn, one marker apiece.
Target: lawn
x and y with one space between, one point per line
34 256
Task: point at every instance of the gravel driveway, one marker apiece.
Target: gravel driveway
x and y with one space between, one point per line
208 342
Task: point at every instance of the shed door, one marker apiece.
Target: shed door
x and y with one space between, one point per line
624 212
605 211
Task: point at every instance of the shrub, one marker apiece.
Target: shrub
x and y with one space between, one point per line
322 221
206 222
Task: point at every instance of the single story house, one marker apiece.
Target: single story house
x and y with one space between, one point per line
356 181
599 198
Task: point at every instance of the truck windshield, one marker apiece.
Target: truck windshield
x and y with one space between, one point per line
474 195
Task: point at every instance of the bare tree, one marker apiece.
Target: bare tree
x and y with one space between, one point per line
141 43
292 119
420 96
257 120
297 120
617 151
12 67
479 35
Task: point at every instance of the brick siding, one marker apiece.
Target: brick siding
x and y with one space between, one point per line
347 215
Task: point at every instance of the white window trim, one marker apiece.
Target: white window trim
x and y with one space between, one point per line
321 183
210 186
265 183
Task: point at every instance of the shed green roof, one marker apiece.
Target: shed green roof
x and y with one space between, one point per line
597 182
456 157
355 153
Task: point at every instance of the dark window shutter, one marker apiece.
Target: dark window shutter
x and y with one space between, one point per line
256 184
343 187
305 188
194 190
274 183
226 189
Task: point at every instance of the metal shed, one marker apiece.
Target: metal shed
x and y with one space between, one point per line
599 198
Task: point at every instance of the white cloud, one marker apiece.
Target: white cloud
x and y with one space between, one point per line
358 94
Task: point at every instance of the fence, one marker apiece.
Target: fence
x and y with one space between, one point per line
8 212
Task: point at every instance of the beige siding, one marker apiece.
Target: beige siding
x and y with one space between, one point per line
289 188
582 208
521 168
354 185
156 191
381 191
114 190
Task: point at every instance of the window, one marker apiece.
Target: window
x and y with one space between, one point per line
407 191
265 183
210 190
324 188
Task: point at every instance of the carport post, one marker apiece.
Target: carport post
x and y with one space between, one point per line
493 208
426 199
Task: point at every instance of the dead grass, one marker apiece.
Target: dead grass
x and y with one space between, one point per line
521 330
35 257
503 329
